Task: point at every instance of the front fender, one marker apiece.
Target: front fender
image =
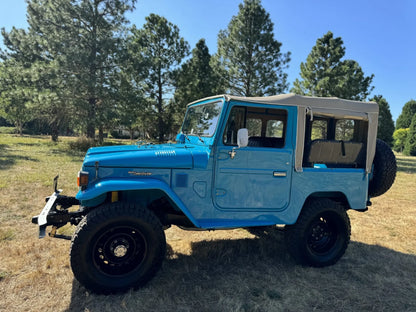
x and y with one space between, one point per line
102 187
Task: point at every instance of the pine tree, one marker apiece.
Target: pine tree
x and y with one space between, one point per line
410 146
195 79
72 48
157 50
385 120
325 74
405 118
15 94
249 55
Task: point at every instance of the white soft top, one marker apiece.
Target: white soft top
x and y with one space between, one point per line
326 106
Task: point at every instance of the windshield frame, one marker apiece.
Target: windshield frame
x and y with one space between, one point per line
219 102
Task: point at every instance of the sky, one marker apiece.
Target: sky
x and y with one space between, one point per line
379 35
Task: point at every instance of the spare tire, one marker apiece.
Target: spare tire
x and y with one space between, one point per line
384 170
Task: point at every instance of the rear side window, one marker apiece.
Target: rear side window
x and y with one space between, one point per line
335 143
319 129
344 130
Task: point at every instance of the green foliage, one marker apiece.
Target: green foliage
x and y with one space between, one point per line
129 102
385 120
325 74
400 136
157 50
248 54
410 146
405 118
15 94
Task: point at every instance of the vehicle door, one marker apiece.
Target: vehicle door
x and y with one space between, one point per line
259 175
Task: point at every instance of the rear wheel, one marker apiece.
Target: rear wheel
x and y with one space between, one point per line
116 247
321 234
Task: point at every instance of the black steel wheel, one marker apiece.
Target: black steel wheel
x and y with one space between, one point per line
120 250
321 234
116 247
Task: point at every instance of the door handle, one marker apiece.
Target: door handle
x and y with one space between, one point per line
280 174
232 153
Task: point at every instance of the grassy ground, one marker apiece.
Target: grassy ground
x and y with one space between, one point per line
203 271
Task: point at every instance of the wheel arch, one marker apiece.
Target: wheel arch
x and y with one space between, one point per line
145 191
338 197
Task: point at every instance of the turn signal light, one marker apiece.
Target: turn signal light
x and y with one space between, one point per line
82 179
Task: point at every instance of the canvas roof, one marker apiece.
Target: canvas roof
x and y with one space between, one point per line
328 105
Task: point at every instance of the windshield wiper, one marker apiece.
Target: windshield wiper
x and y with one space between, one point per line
199 137
186 136
196 134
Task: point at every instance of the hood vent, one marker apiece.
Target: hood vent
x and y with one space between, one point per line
165 153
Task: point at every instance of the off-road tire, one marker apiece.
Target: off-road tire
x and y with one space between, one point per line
321 234
116 247
384 171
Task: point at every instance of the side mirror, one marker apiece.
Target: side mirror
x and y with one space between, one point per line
242 137
242 141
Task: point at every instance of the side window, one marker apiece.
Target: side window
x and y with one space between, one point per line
236 121
274 128
319 129
254 126
344 130
266 126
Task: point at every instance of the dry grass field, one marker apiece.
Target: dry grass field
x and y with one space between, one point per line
203 271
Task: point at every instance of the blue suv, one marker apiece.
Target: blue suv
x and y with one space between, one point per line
238 162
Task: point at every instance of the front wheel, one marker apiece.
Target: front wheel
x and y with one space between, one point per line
321 234
116 247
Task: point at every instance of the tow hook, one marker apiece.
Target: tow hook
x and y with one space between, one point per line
53 234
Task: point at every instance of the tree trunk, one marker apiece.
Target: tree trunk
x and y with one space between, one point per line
19 126
160 123
92 84
100 135
54 131
131 130
160 107
91 119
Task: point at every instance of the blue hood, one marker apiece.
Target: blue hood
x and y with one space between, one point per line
148 156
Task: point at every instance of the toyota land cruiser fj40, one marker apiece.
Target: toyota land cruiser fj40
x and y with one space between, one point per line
238 162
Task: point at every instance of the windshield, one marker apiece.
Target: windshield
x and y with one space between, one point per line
202 119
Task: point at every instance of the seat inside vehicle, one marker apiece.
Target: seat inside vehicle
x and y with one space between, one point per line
335 153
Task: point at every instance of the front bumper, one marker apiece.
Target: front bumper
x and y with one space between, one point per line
56 213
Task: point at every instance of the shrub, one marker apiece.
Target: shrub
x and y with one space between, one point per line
410 146
8 130
399 137
82 144
117 135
